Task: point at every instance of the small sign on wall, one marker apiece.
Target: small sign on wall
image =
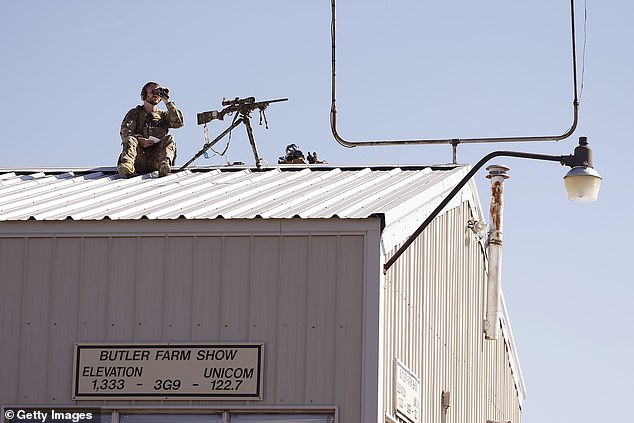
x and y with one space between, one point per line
407 393
226 371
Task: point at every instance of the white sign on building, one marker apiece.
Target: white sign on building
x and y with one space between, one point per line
407 393
227 371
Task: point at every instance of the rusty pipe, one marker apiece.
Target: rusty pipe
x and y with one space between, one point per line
497 175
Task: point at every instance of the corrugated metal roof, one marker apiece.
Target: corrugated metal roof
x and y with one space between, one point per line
230 193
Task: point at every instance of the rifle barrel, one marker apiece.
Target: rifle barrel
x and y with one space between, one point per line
274 101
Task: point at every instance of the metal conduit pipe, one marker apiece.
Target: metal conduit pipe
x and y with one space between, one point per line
452 141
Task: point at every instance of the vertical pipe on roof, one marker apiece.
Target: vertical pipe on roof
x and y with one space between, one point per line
497 175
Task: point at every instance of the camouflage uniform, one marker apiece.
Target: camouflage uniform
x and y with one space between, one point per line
137 122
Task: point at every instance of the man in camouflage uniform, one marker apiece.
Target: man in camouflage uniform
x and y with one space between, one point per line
147 146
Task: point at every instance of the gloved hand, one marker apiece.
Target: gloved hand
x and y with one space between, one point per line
165 94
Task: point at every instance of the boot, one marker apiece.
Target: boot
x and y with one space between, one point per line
164 168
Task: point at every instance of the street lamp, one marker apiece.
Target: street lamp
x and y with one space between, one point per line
582 183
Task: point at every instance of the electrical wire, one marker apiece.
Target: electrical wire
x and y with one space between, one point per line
585 43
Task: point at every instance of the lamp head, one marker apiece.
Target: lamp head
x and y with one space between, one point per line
582 181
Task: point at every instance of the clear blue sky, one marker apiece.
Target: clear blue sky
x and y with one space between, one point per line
406 69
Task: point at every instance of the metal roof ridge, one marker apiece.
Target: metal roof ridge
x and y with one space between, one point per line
26 170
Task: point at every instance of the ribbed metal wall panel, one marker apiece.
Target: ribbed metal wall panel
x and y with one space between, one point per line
302 294
434 299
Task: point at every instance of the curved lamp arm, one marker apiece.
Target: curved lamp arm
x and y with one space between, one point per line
582 157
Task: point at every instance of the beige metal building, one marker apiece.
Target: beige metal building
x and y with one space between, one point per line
230 294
